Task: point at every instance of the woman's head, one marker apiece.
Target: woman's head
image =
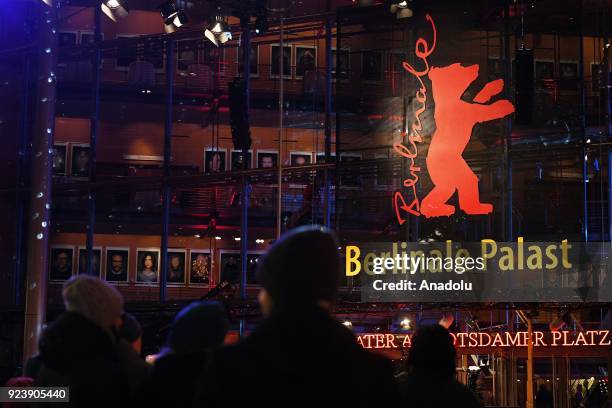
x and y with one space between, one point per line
148 262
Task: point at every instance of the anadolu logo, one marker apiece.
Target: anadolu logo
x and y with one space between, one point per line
455 119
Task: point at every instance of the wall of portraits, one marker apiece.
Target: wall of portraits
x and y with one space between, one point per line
132 260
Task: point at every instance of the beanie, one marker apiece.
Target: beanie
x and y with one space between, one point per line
302 267
94 299
198 327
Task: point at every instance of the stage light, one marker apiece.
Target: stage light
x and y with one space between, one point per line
347 323
237 239
219 32
115 9
401 9
405 323
217 237
173 16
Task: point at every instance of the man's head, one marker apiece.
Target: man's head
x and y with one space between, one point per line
175 263
301 269
267 162
131 331
95 300
432 353
62 261
117 263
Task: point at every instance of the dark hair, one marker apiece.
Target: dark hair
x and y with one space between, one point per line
199 326
142 261
432 353
301 268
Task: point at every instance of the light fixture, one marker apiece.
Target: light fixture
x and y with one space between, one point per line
401 9
173 16
237 239
115 9
405 323
217 237
219 32
347 323
259 241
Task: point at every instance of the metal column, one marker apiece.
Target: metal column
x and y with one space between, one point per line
41 177
328 107
167 191
508 142
94 126
281 110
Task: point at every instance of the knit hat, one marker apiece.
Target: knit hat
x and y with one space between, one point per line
130 330
94 299
198 327
302 267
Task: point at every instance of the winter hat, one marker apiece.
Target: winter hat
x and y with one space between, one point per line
198 327
130 330
94 299
302 267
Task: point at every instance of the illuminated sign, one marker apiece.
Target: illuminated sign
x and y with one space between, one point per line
390 341
455 119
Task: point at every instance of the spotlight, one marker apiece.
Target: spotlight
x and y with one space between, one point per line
401 9
219 31
405 323
172 15
115 9
347 323
237 239
217 237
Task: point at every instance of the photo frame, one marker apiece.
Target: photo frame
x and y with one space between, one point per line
96 262
305 60
229 266
186 55
543 69
200 267
371 65
177 267
117 264
568 75
147 265
79 160
342 71
236 160
320 157
253 258
275 59
300 158
60 158
267 159
61 263
254 58
214 160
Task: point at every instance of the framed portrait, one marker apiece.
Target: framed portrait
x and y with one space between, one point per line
253 258
60 263
568 75
236 158
341 63
275 61
254 59
200 267
96 262
267 159
320 157
300 158
544 69
67 38
350 180
117 261
126 54
147 265
186 54
214 161
59 159
371 65
175 274
229 263
494 68
305 60
80 161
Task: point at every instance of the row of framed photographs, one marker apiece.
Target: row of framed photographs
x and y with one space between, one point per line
77 166
185 266
215 159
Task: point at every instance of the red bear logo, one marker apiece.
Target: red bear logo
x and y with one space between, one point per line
455 120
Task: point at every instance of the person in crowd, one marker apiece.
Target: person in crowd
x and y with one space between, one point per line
79 349
299 355
129 350
429 380
543 398
197 329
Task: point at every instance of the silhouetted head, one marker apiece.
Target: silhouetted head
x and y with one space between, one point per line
198 327
432 354
300 269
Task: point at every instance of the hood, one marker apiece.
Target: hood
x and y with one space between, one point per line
72 339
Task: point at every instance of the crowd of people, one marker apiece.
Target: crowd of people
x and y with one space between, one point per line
95 348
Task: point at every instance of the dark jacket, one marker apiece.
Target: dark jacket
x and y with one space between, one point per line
301 359
424 392
173 381
78 354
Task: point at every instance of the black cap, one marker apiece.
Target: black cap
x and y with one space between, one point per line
302 267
